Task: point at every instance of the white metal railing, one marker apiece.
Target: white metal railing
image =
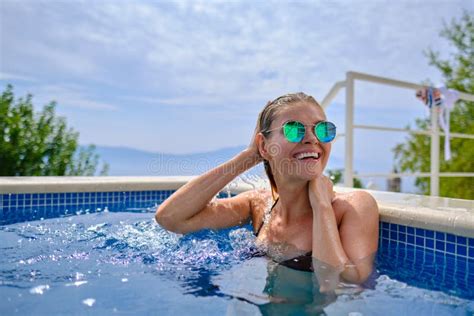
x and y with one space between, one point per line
434 132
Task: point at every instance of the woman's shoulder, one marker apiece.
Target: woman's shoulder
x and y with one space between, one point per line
259 201
258 198
356 196
358 200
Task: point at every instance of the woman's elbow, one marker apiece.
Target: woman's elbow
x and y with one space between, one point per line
164 219
159 216
356 275
352 276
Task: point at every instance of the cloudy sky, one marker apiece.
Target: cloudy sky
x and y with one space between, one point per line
192 76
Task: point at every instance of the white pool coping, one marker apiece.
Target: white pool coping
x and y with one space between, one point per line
89 184
454 216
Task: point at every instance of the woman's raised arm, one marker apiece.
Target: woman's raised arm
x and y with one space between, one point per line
191 207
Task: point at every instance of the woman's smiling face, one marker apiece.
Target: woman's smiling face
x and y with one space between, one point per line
286 158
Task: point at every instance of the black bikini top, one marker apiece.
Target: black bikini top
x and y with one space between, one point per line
302 263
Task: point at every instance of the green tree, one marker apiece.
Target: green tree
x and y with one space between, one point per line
40 144
336 176
458 74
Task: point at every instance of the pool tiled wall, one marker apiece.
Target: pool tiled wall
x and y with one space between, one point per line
442 260
22 207
450 244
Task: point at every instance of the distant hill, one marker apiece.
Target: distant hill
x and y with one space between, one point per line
125 161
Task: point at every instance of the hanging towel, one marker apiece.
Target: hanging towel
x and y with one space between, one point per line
430 96
449 98
443 99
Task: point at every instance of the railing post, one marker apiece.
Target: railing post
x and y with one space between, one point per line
434 158
349 137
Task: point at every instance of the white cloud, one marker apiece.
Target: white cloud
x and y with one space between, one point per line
5 76
69 96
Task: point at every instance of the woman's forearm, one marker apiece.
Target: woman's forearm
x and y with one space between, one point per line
327 245
331 260
196 194
329 257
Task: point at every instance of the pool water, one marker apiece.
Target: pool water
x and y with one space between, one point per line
123 262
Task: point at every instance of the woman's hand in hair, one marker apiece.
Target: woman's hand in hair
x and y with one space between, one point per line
253 148
320 190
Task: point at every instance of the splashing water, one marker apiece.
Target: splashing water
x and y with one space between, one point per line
124 262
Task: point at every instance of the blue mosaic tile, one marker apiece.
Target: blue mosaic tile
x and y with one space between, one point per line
460 273
461 250
429 256
420 232
440 260
450 247
429 243
402 237
420 241
470 279
440 236
393 234
440 245
402 247
429 234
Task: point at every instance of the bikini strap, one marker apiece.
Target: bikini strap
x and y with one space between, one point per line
263 221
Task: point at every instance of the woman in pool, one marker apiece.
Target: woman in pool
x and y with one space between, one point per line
309 226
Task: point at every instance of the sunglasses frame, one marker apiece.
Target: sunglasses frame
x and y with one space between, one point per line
314 126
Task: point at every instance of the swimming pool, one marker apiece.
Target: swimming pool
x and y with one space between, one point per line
106 255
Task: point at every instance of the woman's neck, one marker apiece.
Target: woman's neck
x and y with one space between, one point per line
293 201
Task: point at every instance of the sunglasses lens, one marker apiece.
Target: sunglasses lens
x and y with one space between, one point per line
325 131
293 131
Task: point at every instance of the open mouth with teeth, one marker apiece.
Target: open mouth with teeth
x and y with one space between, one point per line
308 156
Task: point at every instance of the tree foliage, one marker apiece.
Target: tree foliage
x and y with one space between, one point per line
40 144
336 176
458 74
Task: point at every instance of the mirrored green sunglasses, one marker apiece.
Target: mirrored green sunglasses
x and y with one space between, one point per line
294 131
